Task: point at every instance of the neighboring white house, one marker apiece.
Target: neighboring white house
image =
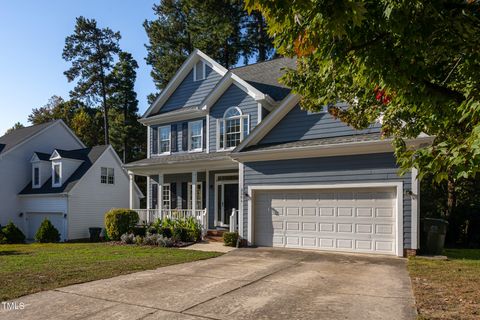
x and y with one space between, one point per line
69 184
16 150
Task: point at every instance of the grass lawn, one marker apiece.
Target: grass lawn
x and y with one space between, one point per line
30 268
447 289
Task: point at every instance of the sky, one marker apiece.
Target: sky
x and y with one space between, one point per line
32 36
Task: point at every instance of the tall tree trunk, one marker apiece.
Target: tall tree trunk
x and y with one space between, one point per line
105 110
125 113
451 198
262 54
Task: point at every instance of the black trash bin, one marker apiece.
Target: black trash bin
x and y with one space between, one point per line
95 234
433 235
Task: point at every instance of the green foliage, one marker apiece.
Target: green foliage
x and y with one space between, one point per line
230 239
91 51
183 229
414 63
221 29
11 234
47 233
120 221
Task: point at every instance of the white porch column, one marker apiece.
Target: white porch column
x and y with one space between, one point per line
149 200
207 193
131 189
160 193
194 192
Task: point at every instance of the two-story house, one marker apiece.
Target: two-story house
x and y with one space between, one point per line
235 149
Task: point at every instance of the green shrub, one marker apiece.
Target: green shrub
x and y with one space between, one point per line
230 239
140 231
120 221
165 231
11 234
47 233
180 233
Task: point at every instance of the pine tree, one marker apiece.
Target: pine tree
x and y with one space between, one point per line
91 51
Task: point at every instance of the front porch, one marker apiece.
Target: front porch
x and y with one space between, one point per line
212 197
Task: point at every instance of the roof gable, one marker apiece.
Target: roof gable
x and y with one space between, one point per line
179 77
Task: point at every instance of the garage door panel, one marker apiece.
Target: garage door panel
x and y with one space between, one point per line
345 220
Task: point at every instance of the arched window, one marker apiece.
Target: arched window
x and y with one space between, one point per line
232 128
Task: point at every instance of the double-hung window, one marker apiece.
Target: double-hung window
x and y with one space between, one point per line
195 135
36 177
232 129
164 137
166 196
57 174
107 175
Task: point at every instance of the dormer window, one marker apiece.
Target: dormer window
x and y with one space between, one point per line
199 71
232 129
36 177
57 174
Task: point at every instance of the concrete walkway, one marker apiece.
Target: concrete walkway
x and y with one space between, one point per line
214 246
242 284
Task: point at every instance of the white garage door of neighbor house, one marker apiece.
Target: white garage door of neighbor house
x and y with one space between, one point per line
354 220
35 219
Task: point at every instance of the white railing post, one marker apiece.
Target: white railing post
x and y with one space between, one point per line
233 221
131 189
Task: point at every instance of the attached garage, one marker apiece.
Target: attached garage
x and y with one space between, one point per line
35 219
360 218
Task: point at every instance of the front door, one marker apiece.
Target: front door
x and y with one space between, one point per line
227 198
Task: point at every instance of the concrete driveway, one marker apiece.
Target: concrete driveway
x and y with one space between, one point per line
242 284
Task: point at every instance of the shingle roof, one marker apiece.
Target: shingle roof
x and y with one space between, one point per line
17 136
72 154
43 156
316 142
179 158
89 157
264 76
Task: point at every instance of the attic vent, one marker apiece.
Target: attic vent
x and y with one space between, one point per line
199 71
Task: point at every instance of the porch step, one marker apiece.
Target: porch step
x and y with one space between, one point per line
214 238
216 233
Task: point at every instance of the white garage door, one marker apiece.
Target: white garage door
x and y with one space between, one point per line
35 219
354 220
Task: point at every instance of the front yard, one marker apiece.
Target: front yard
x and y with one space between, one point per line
30 268
447 289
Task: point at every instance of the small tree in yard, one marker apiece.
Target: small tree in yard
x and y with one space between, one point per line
120 221
11 234
47 233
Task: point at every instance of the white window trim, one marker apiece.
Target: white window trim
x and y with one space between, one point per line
108 176
59 184
190 124
189 195
242 117
39 177
195 70
159 131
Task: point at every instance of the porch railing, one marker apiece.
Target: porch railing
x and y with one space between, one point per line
150 215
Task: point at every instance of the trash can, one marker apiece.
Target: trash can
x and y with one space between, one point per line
433 234
95 234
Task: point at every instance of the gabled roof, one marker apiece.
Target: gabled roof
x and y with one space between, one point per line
264 76
180 76
16 138
69 154
41 156
89 157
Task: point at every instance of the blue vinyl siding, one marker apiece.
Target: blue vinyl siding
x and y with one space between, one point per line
299 125
342 169
191 93
232 97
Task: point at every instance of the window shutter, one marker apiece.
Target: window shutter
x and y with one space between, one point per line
204 134
174 140
154 140
185 136
173 195
184 195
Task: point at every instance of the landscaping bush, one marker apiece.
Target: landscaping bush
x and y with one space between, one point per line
185 229
138 240
120 221
182 234
11 234
47 233
165 231
230 239
128 238
140 231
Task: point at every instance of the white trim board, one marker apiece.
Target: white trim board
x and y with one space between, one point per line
399 203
